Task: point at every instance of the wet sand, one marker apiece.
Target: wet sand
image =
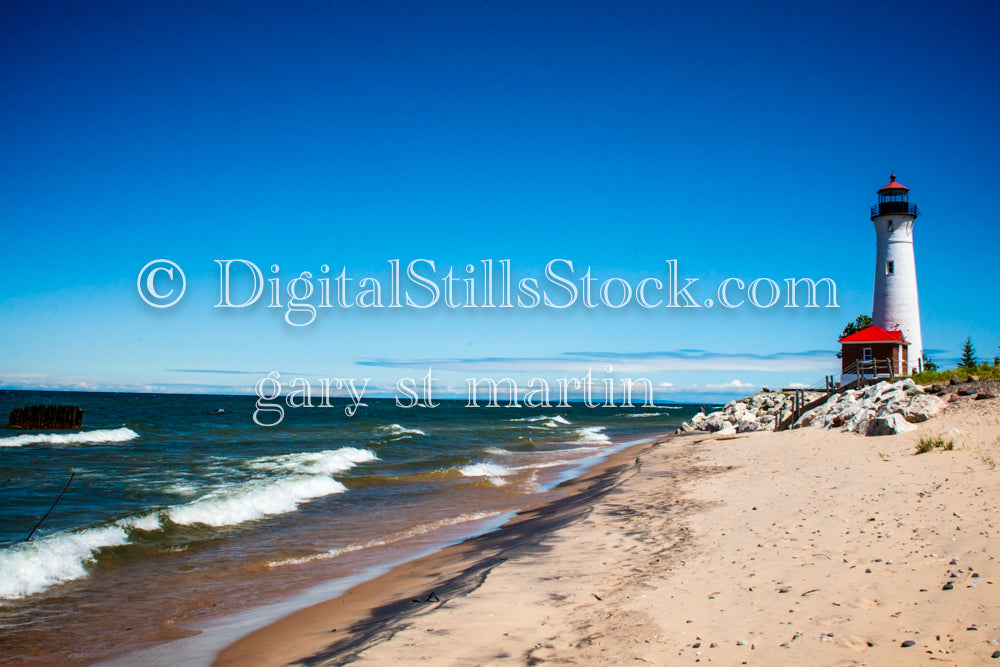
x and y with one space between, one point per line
374 610
801 547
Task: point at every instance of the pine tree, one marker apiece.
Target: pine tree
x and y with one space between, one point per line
860 322
928 364
968 354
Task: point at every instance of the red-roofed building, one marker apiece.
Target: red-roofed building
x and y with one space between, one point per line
873 352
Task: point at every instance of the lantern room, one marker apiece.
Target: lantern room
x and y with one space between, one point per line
893 198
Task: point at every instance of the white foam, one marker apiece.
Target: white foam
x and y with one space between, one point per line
546 464
332 553
326 462
122 434
31 567
398 430
491 471
393 537
253 500
641 414
147 522
591 434
181 489
558 419
485 470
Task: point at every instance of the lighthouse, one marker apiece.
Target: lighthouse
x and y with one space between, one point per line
895 306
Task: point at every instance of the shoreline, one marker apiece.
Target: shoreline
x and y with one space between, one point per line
807 546
185 589
377 608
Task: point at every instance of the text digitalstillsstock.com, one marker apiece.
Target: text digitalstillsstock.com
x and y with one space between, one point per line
421 284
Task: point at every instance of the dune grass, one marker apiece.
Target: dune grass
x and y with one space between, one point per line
983 371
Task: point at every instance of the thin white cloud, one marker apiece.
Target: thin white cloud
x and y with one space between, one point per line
813 362
727 389
737 384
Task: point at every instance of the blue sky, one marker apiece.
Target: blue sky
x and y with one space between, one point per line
743 142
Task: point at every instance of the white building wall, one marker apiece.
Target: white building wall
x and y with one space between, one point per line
895 304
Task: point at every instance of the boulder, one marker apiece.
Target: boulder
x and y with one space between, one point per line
808 419
954 380
714 422
921 408
855 418
897 400
984 395
887 425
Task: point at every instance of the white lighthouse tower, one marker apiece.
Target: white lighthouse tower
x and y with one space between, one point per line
895 305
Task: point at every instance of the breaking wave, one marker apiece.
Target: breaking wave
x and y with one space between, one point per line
31 567
591 434
253 500
495 473
554 421
326 462
399 432
122 434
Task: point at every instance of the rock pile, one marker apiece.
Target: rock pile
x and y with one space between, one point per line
760 412
878 409
973 388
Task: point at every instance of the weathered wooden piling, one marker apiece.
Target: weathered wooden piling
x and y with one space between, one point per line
46 416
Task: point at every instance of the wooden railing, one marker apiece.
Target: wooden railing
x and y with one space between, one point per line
871 370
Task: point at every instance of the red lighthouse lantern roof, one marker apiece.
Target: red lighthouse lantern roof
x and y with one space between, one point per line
893 188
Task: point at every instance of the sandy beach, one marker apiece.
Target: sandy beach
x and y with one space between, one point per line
800 547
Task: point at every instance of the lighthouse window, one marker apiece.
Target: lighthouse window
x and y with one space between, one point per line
889 268
890 225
